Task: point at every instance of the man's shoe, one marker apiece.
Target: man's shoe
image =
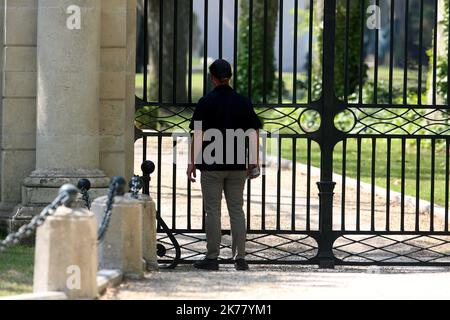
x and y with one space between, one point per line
241 264
207 264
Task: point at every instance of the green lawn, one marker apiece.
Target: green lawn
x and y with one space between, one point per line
381 165
16 270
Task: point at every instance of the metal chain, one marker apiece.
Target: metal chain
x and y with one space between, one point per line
135 186
113 188
85 185
85 196
66 196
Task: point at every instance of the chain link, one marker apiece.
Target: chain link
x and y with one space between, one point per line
85 196
85 185
115 188
136 184
67 196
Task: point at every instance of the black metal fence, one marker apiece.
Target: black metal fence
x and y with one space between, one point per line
353 95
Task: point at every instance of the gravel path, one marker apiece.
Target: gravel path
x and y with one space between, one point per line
283 282
269 283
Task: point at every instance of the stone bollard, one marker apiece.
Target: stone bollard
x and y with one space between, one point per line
66 254
121 247
148 230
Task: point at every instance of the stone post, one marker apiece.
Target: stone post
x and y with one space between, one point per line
148 231
121 247
66 254
67 137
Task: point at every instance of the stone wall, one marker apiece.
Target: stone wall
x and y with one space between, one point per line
18 103
117 86
18 43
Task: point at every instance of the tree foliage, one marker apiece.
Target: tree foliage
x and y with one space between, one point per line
353 50
261 50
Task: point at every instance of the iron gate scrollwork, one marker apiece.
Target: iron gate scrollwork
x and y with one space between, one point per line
356 160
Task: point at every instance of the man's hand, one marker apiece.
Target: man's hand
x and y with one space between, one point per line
191 172
250 168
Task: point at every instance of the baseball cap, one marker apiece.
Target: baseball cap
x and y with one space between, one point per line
221 69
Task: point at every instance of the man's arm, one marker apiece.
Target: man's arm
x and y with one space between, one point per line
195 153
253 160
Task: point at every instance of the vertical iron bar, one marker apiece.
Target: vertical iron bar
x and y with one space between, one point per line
263 186
344 168
402 201
388 185
203 216
280 141
174 183
361 46
191 28
347 27
358 184
249 202
372 195
220 29
158 196
405 66
265 52
375 76
144 149
250 49
161 51
310 49
417 184
294 181
447 184
294 93
433 163
419 82
435 39
280 56
205 48
175 49
448 59
145 84
189 208
235 42
308 185
391 50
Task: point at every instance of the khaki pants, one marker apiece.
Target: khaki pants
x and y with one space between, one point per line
232 184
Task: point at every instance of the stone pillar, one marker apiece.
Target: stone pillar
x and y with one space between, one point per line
148 231
121 247
67 134
64 260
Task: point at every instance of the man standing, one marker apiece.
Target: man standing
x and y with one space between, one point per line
229 118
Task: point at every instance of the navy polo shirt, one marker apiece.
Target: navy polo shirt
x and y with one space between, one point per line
222 109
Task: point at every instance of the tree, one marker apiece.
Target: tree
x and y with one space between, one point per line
441 59
167 64
262 44
353 51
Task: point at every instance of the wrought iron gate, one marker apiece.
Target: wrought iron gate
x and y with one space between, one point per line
351 146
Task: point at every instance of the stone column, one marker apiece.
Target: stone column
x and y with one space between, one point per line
121 247
67 137
149 224
64 261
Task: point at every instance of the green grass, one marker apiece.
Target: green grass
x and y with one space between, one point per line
197 86
381 165
16 270
366 152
